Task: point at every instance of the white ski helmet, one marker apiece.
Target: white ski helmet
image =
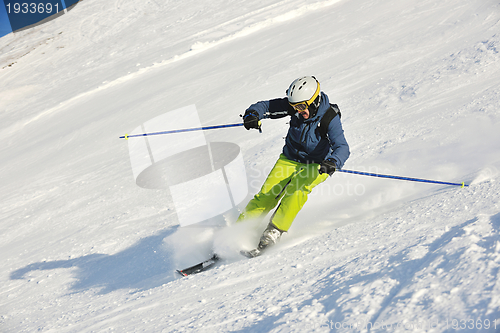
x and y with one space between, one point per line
304 91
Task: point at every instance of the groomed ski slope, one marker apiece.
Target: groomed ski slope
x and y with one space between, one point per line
84 249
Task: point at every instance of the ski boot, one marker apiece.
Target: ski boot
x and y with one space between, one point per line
269 237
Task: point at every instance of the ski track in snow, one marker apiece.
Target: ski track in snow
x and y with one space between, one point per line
86 250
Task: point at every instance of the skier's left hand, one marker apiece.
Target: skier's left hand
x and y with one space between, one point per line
327 166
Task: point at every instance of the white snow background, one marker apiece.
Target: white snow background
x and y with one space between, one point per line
84 249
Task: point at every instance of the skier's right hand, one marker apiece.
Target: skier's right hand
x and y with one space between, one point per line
251 120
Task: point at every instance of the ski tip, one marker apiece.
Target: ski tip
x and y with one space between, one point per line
181 272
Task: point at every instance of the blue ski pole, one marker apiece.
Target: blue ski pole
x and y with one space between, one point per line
402 178
126 136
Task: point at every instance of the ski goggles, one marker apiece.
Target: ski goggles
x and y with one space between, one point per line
300 106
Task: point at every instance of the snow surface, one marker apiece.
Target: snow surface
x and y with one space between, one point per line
84 249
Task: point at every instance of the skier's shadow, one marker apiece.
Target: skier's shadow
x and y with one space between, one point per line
145 265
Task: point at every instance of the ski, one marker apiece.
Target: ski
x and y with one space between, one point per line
202 266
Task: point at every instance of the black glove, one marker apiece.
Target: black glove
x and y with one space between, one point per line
327 166
251 120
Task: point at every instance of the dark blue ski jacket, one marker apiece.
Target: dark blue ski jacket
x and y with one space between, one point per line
304 142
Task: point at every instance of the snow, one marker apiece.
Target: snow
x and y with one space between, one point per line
84 249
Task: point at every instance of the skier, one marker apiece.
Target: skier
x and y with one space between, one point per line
315 147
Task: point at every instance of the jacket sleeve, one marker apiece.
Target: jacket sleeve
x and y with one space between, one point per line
339 149
273 109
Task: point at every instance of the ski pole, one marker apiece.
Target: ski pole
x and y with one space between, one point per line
402 178
126 136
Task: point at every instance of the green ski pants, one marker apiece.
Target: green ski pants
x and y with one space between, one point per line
289 181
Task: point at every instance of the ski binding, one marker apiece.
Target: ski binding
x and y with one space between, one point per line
251 253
